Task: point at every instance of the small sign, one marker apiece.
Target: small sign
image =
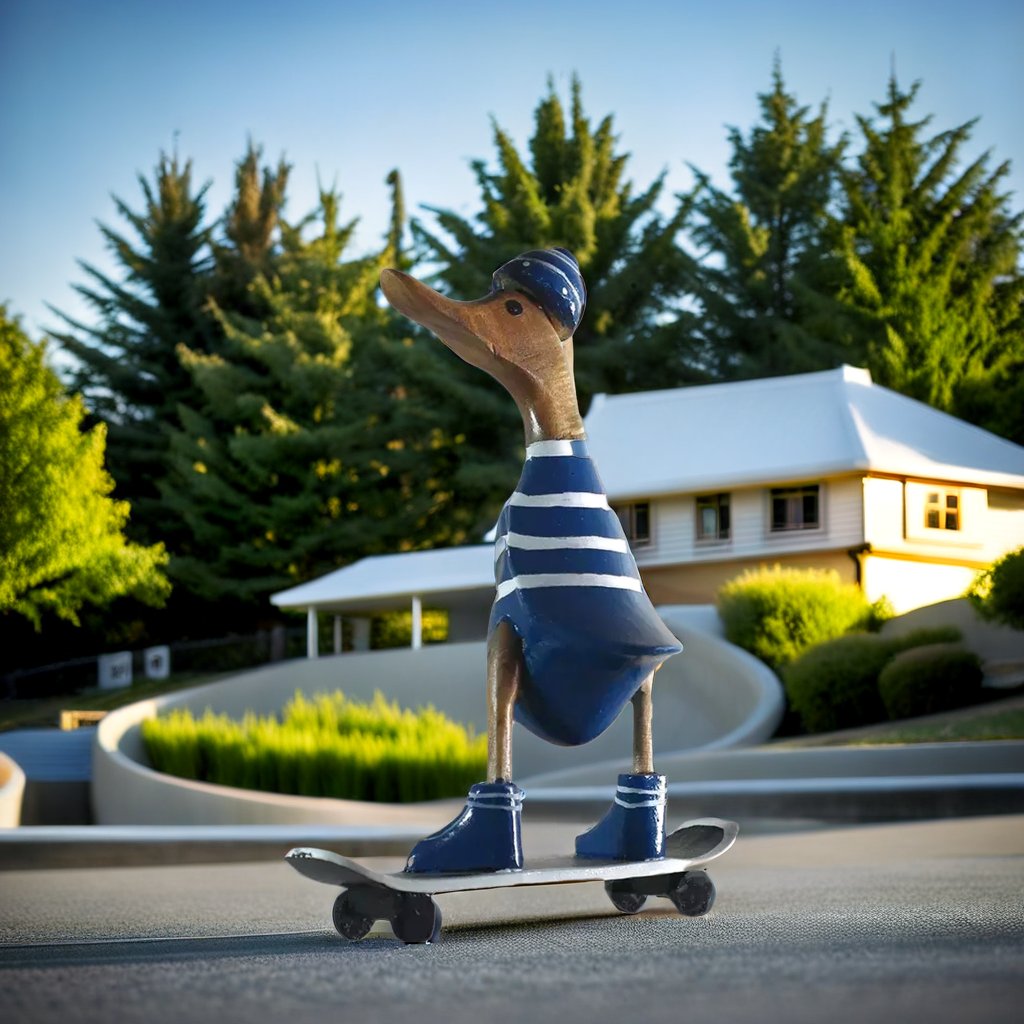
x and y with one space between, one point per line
157 662
115 670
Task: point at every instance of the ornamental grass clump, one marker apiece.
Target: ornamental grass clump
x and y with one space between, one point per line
326 746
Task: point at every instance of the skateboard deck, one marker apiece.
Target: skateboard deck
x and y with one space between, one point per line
405 898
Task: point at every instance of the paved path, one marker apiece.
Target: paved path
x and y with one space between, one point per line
909 922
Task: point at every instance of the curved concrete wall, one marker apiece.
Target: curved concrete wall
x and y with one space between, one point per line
12 790
712 695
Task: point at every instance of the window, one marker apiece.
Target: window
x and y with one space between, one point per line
795 508
636 522
942 510
713 517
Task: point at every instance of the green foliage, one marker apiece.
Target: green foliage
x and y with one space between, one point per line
62 541
931 252
778 613
572 191
929 679
834 685
394 629
325 746
762 285
998 593
126 365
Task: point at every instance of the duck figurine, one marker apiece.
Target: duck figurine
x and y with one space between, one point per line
573 636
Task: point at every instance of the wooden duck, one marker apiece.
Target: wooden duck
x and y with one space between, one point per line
573 636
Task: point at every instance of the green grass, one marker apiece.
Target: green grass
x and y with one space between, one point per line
30 713
327 746
1001 720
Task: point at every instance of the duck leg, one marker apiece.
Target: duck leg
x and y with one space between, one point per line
486 835
643 744
504 672
633 828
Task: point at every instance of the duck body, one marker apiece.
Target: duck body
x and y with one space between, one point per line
567 583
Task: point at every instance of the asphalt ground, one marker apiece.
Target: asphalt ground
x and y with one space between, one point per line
920 921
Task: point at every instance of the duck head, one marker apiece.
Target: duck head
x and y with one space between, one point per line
520 333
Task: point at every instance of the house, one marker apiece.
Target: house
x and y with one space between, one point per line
820 470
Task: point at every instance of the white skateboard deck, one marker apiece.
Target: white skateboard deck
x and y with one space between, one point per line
695 843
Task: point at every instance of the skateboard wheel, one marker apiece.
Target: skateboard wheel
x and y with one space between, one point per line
694 893
623 897
348 919
417 919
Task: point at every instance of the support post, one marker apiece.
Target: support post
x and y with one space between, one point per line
417 622
337 634
312 634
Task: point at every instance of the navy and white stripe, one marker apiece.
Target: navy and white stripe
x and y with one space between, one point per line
552 278
557 529
640 791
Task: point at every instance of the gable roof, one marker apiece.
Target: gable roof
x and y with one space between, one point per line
785 429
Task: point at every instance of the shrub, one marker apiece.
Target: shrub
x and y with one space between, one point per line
324 746
777 614
929 679
998 593
835 684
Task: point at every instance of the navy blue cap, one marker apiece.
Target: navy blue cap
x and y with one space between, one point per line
552 278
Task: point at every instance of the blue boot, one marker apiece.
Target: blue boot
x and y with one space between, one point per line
486 836
633 828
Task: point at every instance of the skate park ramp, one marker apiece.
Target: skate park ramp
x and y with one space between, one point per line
711 696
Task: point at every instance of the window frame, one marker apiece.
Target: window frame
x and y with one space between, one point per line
626 512
719 501
796 492
943 510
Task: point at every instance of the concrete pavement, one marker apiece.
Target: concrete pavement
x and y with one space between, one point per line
920 921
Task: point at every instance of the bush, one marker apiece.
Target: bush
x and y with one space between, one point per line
929 679
326 746
835 684
777 614
998 593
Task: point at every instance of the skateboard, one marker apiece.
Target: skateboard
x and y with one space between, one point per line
405 899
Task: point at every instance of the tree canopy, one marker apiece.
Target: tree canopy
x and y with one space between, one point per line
62 542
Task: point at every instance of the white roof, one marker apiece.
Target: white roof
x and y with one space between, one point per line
379 581
785 429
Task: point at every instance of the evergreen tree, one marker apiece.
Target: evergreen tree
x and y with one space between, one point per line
764 296
62 542
931 252
248 241
127 367
572 191
321 438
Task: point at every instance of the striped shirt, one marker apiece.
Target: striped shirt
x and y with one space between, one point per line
567 582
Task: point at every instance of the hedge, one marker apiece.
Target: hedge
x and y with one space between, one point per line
930 679
998 593
836 684
327 746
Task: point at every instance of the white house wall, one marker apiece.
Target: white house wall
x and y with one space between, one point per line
674 530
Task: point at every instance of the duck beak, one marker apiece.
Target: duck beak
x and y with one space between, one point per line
453 322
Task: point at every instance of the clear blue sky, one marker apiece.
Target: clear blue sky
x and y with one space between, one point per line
92 90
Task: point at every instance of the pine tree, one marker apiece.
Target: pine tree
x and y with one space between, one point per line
248 242
127 367
932 253
764 299
62 543
326 430
572 191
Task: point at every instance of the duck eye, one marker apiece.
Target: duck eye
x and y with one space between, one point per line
515 308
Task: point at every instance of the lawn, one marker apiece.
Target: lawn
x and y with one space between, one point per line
45 711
